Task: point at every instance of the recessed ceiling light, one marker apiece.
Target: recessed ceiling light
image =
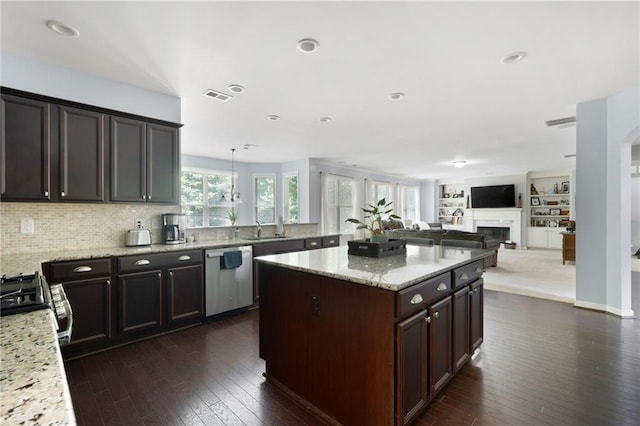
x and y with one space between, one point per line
62 29
325 119
273 117
308 45
459 163
514 57
236 88
396 96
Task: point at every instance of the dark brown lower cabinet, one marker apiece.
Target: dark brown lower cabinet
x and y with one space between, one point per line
140 301
91 304
476 315
184 292
461 326
440 344
413 368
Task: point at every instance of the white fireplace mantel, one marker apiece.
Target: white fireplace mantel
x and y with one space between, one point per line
508 218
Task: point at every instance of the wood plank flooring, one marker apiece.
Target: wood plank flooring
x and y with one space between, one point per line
542 362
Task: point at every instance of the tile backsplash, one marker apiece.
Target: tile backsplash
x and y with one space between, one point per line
75 226
79 226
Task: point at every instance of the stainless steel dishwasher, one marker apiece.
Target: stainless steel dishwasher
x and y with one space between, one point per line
228 286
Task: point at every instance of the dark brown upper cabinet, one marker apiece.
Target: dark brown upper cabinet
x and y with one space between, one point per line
82 155
26 148
58 150
145 162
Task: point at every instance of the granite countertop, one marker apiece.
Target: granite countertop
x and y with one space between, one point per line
391 273
33 383
13 264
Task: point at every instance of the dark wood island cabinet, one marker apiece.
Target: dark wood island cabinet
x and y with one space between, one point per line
369 341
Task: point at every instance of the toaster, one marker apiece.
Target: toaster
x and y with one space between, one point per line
138 237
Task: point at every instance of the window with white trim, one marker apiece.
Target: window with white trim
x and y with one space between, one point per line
201 197
338 204
409 203
264 189
290 197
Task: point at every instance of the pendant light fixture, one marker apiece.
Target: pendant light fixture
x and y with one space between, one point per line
234 195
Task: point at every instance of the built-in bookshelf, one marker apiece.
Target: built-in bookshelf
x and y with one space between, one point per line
451 205
549 210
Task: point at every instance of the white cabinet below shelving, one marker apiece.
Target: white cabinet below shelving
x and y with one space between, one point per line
539 237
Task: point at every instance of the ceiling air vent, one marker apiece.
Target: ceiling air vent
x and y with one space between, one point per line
217 95
561 122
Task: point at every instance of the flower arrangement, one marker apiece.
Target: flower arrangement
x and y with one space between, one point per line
232 214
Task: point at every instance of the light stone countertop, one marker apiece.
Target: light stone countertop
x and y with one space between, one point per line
391 273
13 264
33 383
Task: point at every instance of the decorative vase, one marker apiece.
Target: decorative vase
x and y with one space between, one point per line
379 238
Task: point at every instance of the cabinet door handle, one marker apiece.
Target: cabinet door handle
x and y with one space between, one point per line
142 262
436 315
82 269
184 257
442 287
148 197
144 197
332 241
62 194
464 276
313 243
46 193
428 320
416 299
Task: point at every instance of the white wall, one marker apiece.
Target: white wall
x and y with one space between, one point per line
18 72
635 214
605 130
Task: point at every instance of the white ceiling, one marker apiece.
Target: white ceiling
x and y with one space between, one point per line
461 102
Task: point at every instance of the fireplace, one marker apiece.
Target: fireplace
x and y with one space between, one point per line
510 218
500 233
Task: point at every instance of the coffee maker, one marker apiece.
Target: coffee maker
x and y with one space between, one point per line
173 228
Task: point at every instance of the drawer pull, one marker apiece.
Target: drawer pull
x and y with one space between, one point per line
428 320
142 262
477 270
313 243
464 276
436 315
184 257
332 241
416 299
82 269
442 287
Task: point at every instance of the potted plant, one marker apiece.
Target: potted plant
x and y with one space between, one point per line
373 217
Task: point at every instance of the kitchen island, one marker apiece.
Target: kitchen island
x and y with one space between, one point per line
369 341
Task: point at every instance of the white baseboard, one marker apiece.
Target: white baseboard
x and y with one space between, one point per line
626 313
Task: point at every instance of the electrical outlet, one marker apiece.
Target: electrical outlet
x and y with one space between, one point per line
137 222
26 226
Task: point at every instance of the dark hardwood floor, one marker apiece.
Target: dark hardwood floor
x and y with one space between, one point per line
542 362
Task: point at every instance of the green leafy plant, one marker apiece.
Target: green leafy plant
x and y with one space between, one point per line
374 215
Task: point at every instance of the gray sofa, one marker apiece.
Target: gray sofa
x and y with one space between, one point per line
414 236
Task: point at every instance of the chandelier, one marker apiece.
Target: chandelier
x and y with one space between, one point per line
234 196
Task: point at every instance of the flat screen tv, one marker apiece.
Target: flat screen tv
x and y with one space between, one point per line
494 196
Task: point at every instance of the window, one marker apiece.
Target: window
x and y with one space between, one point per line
201 198
338 204
265 198
290 198
379 190
409 201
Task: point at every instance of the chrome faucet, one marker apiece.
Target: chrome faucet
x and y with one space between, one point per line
258 230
